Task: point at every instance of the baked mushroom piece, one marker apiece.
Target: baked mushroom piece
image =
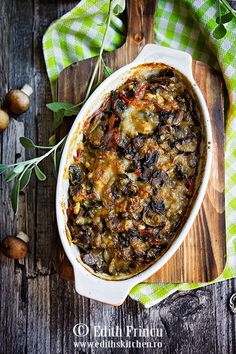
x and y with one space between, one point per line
18 101
118 105
4 120
123 186
187 145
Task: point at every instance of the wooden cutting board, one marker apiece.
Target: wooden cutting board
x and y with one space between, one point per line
202 255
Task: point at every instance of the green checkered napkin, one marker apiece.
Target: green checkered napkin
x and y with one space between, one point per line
185 25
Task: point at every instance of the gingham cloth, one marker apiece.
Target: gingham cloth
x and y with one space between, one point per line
186 25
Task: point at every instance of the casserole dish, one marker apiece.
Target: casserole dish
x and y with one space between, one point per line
88 283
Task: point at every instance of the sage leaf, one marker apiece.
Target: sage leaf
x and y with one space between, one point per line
117 6
61 110
55 162
15 196
11 175
40 175
18 169
117 10
27 143
58 106
69 109
58 119
95 86
52 140
219 32
225 18
107 71
3 168
25 178
57 159
72 112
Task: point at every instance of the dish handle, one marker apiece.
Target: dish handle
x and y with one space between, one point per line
106 291
182 61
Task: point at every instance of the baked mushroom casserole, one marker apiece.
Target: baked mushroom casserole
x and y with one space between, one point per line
134 173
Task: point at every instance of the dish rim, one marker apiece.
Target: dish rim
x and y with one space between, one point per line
82 274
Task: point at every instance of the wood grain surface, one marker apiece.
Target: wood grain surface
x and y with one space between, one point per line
38 309
202 255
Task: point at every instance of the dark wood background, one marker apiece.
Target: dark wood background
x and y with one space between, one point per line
39 310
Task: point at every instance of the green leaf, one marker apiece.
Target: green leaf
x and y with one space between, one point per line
69 109
3 168
225 18
25 178
19 168
107 71
95 86
40 175
117 10
58 119
58 106
52 140
10 176
116 7
27 143
15 196
61 110
72 112
57 159
14 172
219 31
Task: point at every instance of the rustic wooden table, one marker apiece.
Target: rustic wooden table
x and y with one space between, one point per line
38 309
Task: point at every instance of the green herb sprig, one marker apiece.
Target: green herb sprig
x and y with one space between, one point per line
21 172
62 109
225 15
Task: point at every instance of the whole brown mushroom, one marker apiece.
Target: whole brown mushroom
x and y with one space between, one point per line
66 270
18 101
15 247
4 120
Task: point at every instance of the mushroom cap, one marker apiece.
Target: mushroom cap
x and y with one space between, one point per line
4 120
14 247
65 270
17 101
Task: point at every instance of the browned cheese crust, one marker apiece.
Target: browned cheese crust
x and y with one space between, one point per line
134 174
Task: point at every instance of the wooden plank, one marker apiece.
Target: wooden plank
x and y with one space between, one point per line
44 192
38 315
202 254
13 282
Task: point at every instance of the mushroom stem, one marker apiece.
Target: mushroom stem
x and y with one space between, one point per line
27 89
21 235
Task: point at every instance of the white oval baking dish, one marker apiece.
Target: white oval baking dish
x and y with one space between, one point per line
87 284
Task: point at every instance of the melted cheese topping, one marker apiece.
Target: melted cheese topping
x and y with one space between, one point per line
133 178
139 119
